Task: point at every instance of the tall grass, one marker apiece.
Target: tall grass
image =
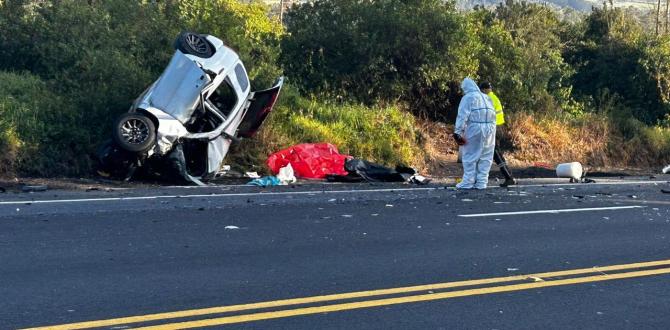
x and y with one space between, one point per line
640 145
387 135
593 139
559 138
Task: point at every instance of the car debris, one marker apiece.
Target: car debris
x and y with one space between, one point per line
36 188
185 122
572 170
252 175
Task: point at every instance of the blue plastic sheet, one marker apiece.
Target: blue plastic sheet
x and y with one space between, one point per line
265 181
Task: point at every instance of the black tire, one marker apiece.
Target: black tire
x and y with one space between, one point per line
134 132
194 44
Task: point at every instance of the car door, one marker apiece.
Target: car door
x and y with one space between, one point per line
177 91
259 107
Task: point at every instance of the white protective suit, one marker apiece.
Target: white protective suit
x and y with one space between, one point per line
476 122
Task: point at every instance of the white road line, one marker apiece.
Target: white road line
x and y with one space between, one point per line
110 199
549 211
602 183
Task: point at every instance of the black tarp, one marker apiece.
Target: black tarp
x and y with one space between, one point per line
363 170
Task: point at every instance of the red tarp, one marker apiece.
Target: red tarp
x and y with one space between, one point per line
310 160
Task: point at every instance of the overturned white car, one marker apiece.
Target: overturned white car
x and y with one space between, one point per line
185 121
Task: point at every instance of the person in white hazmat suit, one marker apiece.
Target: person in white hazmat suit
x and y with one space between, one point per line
475 131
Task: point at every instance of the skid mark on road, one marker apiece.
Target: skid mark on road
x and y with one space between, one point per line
375 298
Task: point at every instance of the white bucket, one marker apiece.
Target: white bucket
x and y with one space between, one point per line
570 170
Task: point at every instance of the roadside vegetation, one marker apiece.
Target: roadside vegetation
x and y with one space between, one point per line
364 75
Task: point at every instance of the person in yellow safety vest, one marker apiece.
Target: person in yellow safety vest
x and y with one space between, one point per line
487 89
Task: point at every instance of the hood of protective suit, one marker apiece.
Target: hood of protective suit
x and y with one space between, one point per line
468 86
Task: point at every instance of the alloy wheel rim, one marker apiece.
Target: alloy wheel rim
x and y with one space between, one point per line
134 131
196 43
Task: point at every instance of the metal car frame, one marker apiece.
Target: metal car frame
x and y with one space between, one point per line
187 119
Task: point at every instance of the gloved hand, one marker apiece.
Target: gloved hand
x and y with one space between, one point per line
459 139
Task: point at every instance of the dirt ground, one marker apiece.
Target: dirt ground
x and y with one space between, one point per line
445 171
440 165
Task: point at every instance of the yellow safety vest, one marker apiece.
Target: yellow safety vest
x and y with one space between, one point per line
500 115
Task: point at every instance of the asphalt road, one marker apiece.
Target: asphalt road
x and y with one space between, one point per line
176 255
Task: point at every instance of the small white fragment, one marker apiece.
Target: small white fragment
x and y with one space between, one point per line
389 205
419 227
512 269
231 227
501 202
448 223
18 209
606 218
332 200
347 216
655 209
466 200
536 279
497 219
600 313
70 310
374 214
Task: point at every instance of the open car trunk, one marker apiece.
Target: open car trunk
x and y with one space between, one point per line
260 106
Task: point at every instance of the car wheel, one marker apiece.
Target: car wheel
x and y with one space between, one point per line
134 132
194 44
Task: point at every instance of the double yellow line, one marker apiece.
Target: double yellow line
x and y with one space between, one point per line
419 293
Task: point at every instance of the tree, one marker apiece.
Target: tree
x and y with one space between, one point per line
522 56
385 50
615 57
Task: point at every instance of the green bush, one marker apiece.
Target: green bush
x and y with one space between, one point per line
99 55
38 130
380 51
